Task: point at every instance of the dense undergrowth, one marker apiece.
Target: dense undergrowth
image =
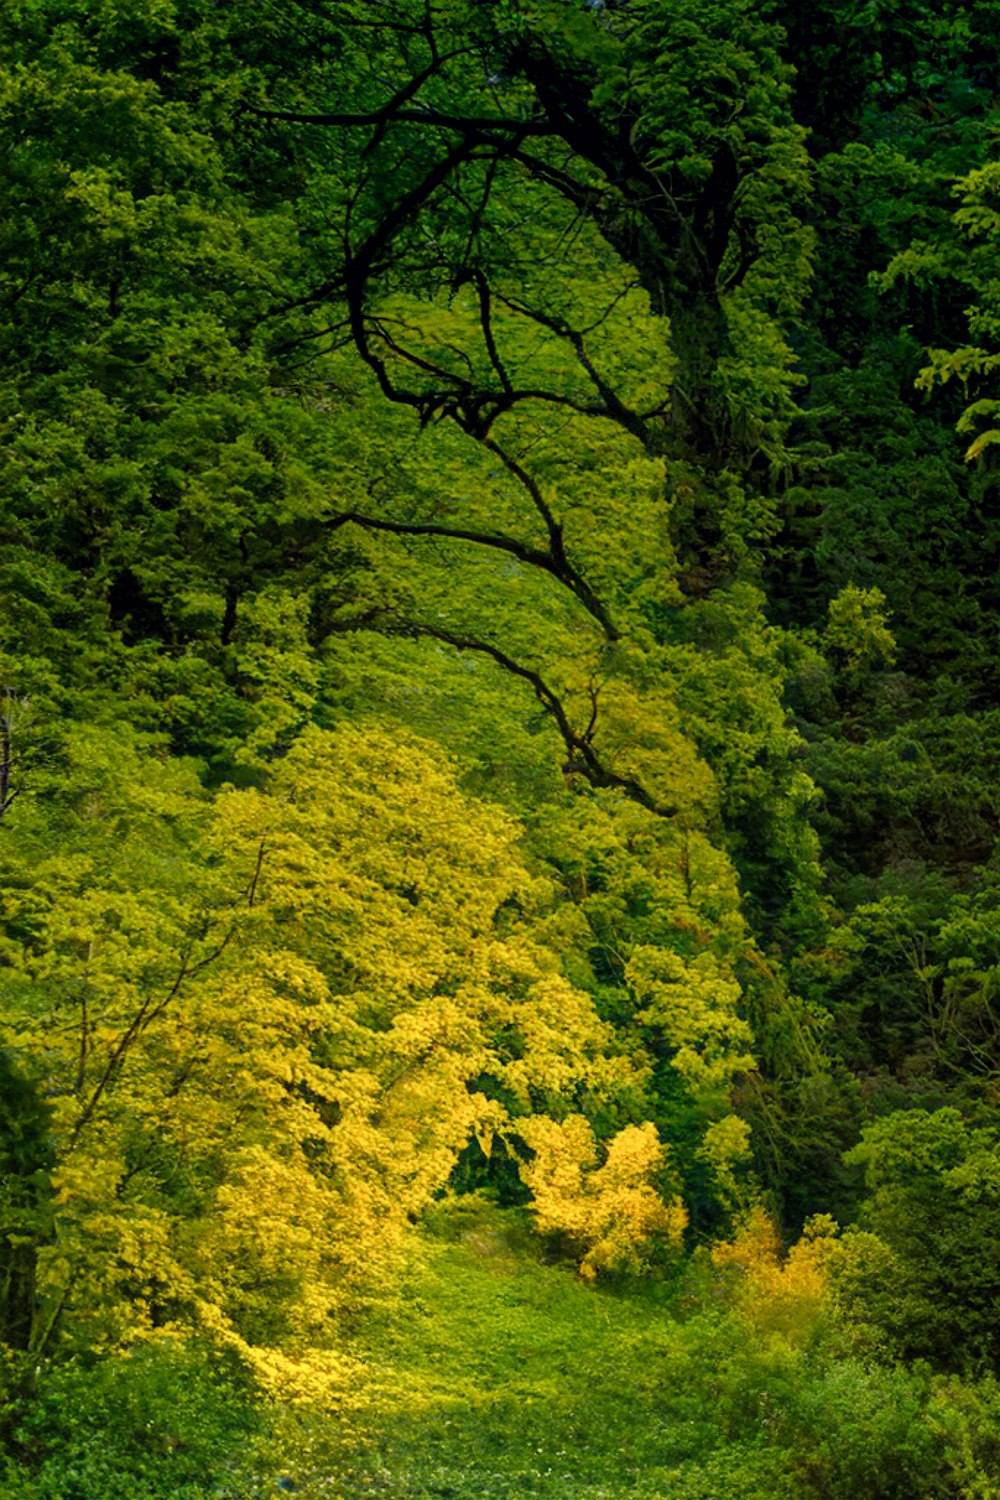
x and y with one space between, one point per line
493 1373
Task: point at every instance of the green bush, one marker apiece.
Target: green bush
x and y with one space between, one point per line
854 1431
934 1200
163 1422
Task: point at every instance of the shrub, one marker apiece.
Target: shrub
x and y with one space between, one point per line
163 1422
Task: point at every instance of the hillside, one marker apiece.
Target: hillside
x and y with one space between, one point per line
499 543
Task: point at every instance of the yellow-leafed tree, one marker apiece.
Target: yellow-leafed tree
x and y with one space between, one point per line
265 1025
609 1209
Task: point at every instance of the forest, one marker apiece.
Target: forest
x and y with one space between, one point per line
500 749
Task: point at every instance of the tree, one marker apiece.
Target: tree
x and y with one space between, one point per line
664 129
266 1029
969 258
933 1198
609 1212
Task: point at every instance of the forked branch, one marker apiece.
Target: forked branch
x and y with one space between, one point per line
583 759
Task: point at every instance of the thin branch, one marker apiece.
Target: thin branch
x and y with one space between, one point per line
582 195
252 892
362 265
476 221
43 1323
117 1055
530 485
475 411
583 758
81 1070
557 566
533 556
149 1011
563 569
380 118
467 124
7 794
486 322
380 325
631 420
593 693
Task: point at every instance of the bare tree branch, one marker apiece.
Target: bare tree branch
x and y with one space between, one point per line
631 420
553 561
583 758
479 125
486 323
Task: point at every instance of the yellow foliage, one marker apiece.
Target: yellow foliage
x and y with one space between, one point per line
696 1005
779 1293
611 1212
637 735
265 1041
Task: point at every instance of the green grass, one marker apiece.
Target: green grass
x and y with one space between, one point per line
495 1377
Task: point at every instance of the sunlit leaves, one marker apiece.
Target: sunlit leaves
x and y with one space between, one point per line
608 1208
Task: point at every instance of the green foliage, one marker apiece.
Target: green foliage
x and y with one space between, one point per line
497 687
970 259
934 1200
857 630
499 1376
160 1422
25 1200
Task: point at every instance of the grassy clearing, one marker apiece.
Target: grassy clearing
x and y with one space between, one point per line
495 1377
